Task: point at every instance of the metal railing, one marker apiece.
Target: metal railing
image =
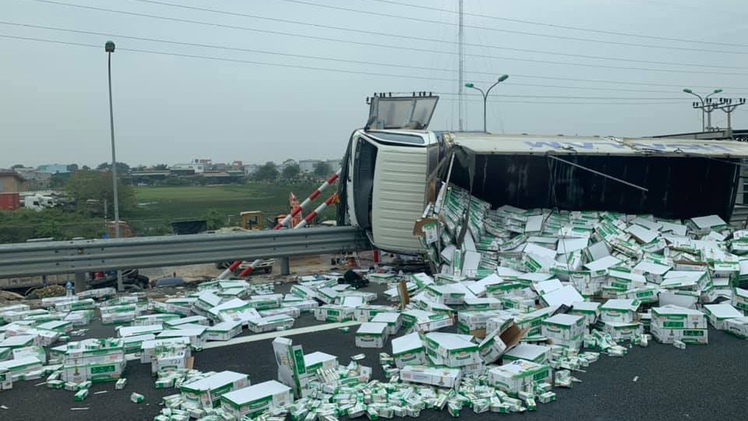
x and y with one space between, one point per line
55 257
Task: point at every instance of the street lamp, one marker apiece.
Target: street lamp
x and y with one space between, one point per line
705 103
109 48
485 95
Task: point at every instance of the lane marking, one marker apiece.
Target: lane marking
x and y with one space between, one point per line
278 333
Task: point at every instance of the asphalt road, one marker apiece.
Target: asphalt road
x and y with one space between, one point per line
700 382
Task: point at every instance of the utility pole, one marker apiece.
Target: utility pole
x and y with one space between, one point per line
706 106
109 48
726 105
461 67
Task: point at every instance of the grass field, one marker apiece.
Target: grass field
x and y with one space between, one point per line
159 206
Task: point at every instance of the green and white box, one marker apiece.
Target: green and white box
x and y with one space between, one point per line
133 344
169 359
31 351
451 350
519 376
619 310
97 372
445 294
371 335
205 301
590 310
194 333
234 310
319 361
6 380
690 336
408 350
153 319
434 376
223 331
738 327
271 323
475 322
20 366
148 348
365 313
740 299
126 331
176 322
254 400
392 319
333 313
563 326
539 354
207 392
20 341
481 303
719 314
674 317
623 331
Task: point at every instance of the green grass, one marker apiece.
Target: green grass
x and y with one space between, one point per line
159 206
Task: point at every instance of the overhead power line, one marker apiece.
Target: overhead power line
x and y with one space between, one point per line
487 28
372 44
567 27
329 59
326 69
399 36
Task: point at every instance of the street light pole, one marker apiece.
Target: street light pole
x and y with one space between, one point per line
704 105
485 96
109 48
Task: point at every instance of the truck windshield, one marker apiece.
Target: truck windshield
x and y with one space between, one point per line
397 137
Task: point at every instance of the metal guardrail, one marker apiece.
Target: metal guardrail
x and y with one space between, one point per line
54 257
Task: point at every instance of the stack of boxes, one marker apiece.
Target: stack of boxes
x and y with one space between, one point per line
672 323
95 360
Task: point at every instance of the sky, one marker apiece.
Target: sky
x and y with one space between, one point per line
270 80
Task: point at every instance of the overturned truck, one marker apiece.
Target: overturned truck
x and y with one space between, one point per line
395 166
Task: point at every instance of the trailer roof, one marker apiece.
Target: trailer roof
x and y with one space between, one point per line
499 144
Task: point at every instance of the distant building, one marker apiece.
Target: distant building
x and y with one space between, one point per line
188 168
53 169
12 182
307 165
250 169
36 179
334 164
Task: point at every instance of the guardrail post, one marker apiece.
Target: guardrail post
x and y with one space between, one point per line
80 282
285 267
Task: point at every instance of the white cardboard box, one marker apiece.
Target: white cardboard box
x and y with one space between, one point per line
223 331
392 319
566 295
435 376
519 376
563 326
499 341
535 353
371 335
691 336
319 361
623 331
207 392
719 314
738 327
590 310
408 350
619 310
674 317
254 400
451 349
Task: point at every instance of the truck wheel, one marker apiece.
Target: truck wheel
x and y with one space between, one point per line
268 270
